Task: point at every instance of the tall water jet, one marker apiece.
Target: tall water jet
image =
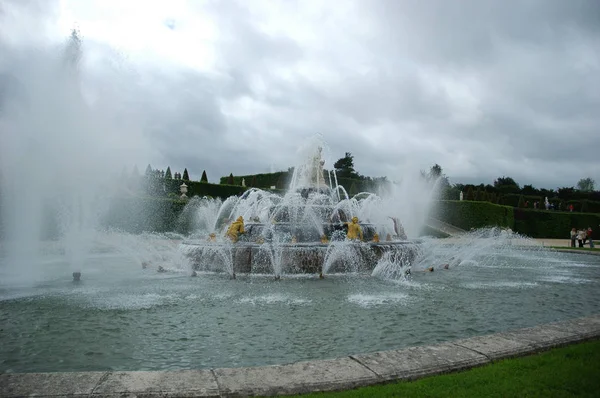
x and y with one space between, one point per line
63 139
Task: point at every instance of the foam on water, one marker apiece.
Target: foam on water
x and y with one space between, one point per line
275 298
500 285
369 300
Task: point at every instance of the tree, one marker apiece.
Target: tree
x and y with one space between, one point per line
73 51
470 193
436 175
186 176
230 179
435 171
344 167
506 185
584 206
586 184
135 173
168 175
253 183
353 190
566 192
204 178
529 190
148 172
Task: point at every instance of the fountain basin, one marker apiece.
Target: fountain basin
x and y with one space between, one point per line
297 258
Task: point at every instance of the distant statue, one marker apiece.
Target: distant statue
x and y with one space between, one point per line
243 182
376 238
212 237
294 239
461 195
354 230
324 239
388 237
236 228
260 240
317 178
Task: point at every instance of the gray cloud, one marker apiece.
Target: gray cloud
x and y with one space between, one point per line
480 87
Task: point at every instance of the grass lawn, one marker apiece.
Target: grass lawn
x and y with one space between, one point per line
575 248
572 371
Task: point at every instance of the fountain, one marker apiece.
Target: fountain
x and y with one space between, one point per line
95 300
310 229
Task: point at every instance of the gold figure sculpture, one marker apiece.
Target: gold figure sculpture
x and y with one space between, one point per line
324 239
260 240
354 230
376 238
236 228
294 239
212 237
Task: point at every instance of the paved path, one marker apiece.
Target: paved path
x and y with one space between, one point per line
446 228
302 377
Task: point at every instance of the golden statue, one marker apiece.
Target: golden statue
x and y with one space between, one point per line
212 237
388 237
324 239
294 239
260 240
354 230
376 238
236 228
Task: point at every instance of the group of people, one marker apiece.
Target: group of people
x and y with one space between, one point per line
582 236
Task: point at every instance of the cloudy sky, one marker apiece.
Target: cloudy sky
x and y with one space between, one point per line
484 88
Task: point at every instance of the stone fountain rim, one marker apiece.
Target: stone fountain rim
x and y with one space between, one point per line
342 373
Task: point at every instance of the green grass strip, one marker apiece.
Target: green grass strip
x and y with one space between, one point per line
572 371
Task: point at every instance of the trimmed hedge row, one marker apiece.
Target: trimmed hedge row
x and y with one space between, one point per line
281 180
155 186
278 179
552 224
534 223
588 206
470 214
138 215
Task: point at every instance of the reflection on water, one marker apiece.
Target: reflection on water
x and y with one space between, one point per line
123 317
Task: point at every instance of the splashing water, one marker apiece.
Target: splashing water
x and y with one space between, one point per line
485 247
65 134
305 228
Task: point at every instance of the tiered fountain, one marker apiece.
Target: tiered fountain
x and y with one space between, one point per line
314 228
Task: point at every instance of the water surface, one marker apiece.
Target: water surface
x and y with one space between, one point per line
120 317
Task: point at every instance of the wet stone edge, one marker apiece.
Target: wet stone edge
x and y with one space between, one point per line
310 376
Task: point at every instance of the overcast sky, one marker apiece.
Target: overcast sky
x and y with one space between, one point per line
483 88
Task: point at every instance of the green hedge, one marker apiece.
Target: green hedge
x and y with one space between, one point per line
281 180
136 215
534 223
470 214
552 224
163 187
278 179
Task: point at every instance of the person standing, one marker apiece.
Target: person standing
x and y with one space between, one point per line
580 237
573 236
589 236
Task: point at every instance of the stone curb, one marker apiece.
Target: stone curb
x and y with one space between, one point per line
590 252
311 376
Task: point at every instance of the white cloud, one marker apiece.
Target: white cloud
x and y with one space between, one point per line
482 89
